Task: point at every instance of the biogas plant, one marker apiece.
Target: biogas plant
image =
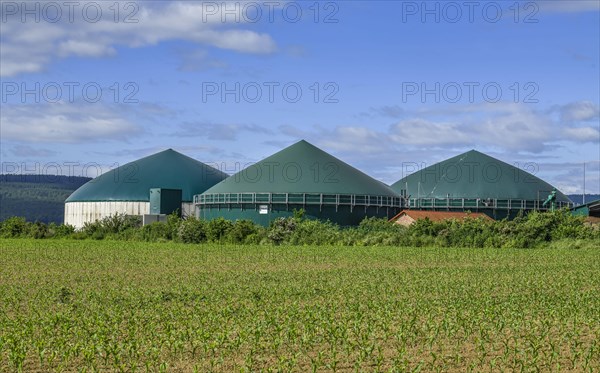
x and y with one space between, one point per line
303 176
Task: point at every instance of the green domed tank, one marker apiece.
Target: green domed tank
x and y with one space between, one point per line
476 182
300 176
126 189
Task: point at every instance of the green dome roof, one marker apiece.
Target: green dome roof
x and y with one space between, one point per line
132 181
302 168
475 175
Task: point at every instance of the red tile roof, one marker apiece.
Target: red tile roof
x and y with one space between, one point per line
440 215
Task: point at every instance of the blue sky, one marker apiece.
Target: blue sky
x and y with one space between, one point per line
384 85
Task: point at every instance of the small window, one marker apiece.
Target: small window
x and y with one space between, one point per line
263 209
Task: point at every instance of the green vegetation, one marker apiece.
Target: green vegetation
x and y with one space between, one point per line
301 295
532 230
72 305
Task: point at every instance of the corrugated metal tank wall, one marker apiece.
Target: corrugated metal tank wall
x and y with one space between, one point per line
79 213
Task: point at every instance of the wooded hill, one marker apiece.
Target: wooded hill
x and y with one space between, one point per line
36 197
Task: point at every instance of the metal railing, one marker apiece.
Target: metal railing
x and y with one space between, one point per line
371 200
479 203
298 198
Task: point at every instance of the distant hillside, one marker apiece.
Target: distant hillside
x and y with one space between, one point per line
578 198
36 197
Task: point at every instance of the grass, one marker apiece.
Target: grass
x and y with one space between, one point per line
125 306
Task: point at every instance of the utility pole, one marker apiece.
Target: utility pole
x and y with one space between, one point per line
584 183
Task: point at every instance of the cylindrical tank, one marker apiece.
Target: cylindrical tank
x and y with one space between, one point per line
300 176
126 189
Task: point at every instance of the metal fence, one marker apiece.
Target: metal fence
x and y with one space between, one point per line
370 200
299 199
480 204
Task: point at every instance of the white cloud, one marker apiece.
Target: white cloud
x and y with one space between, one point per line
391 111
505 125
294 132
64 123
516 127
582 134
31 151
40 43
569 180
511 127
218 131
355 139
580 111
421 132
15 58
84 49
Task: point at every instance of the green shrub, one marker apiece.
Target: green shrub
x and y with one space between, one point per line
218 229
313 232
425 227
89 228
374 224
174 221
38 231
348 237
120 223
14 227
61 230
119 226
98 235
571 227
79 235
257 238
241 230
299 214
531 230
153 232
281 229
192 230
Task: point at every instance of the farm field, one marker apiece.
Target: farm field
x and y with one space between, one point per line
131 306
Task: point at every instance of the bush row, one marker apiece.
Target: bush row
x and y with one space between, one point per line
525 231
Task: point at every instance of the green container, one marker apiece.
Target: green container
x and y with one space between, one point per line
300 176
472 179
167 169
165 201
